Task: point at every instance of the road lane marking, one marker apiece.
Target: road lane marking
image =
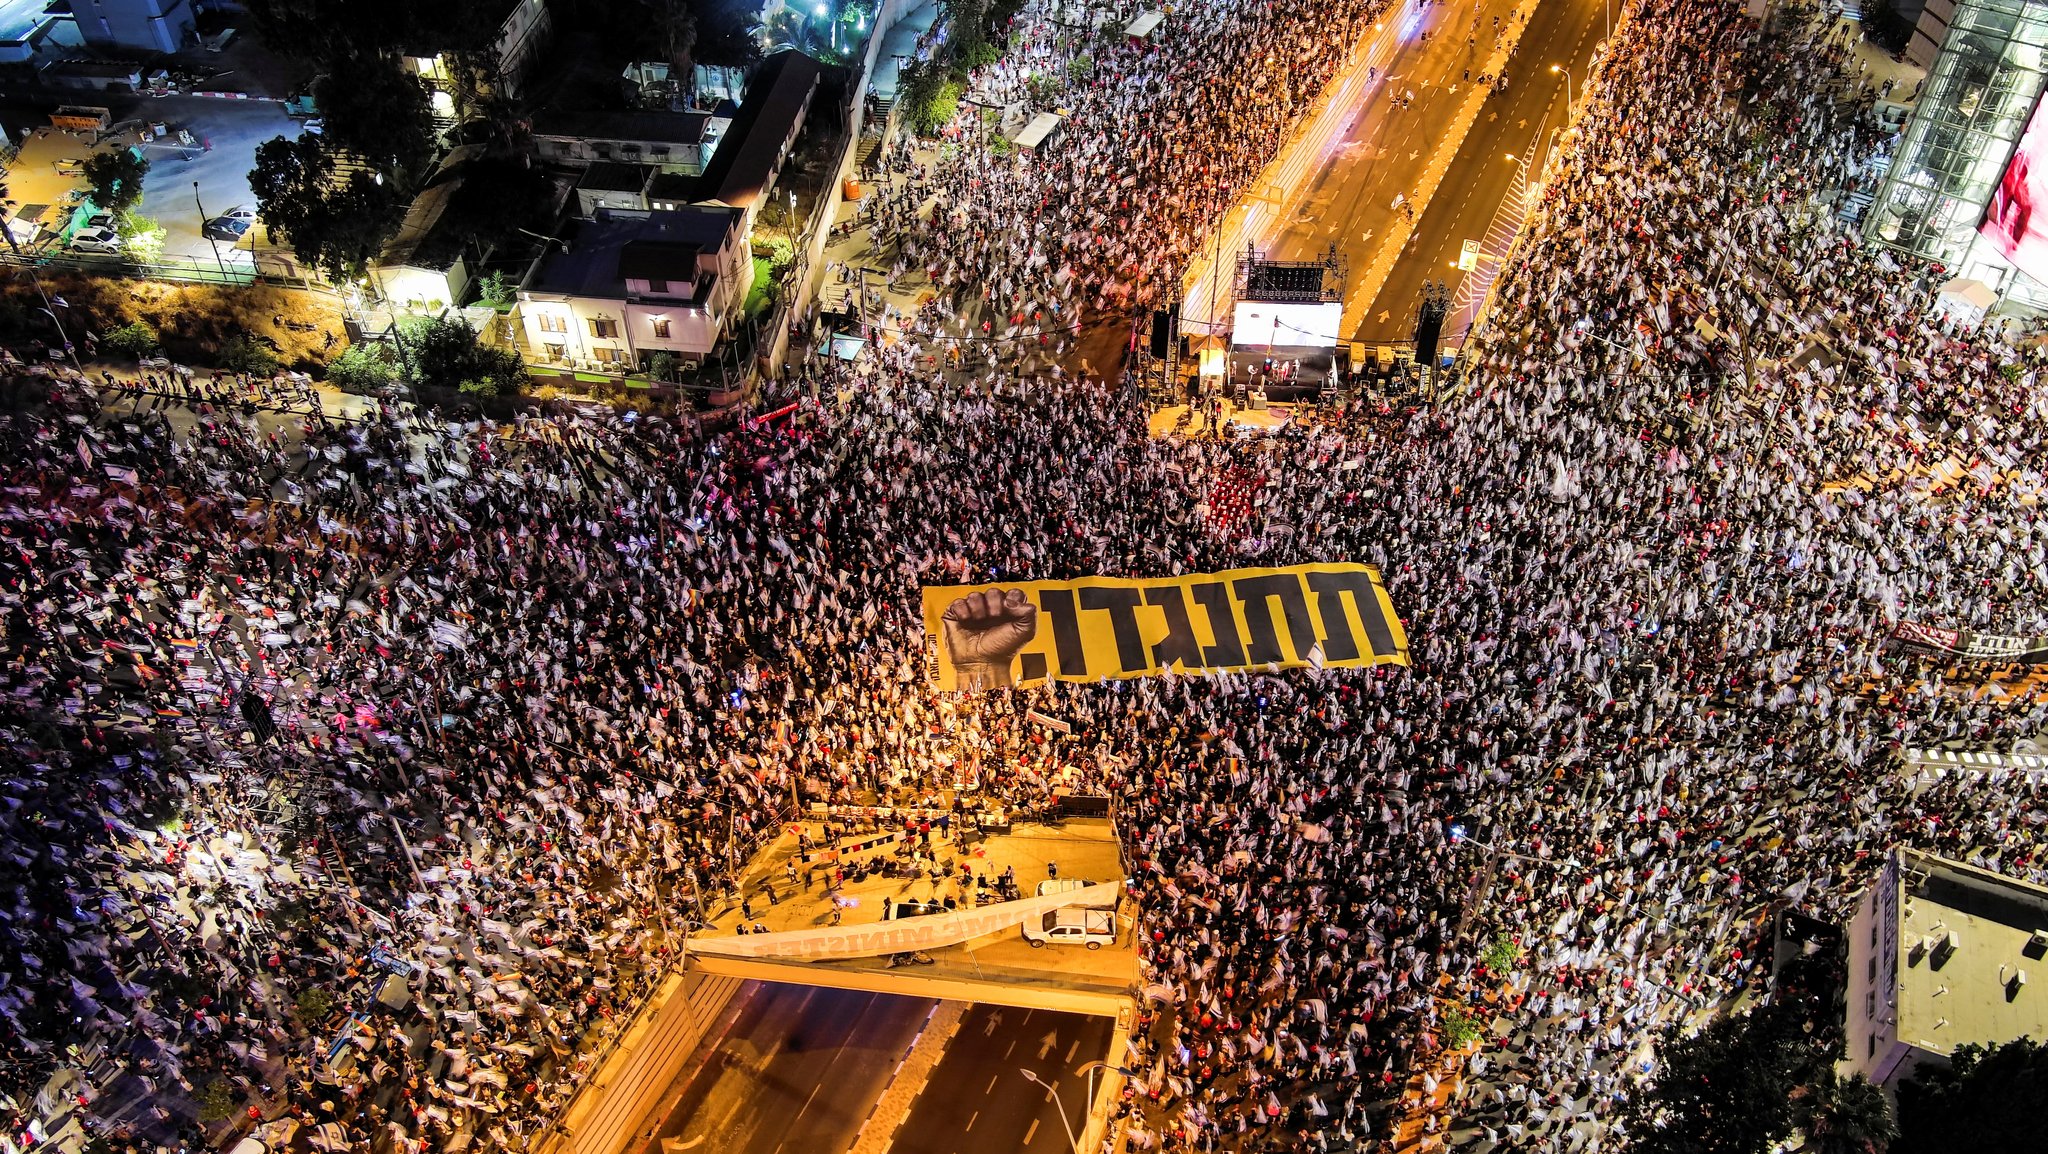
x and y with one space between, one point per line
1013 1045
970 1121
991 1085
1028 1133
1072 1048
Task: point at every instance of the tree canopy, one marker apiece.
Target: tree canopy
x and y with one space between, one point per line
115 178
447 354
338 226
1744 1083
381 113
1985 1099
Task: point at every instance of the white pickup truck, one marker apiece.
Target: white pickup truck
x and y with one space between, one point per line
1071 925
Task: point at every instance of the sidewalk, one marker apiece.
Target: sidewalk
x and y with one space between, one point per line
899 45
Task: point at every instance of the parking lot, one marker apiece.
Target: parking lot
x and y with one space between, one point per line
225 136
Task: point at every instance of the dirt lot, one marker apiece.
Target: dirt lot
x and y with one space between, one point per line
192 320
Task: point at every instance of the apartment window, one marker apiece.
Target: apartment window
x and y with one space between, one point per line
607 355
658 152
661 327
1872 1052
602 328
551 322
658 287
557 352
1870 1004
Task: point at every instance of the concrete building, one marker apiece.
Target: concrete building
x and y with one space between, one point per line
1983 81
679 142
744 160
628 284
742 174
522 32
135 25
424 266
1942 954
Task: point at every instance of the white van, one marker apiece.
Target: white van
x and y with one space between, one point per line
1071 925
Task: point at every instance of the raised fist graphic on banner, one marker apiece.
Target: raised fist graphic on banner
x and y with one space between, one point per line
984 633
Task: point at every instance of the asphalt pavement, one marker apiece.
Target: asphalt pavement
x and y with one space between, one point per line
978 1101
797 1073
1390 137
1531 111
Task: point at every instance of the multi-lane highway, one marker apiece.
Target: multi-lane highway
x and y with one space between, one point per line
979 1101
800 1069
1350 198
797 1072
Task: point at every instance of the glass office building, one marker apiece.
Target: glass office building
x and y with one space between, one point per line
1990 71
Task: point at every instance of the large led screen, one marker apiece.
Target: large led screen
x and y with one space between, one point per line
1274 325
2012 224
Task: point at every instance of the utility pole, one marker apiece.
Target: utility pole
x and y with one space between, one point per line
209 236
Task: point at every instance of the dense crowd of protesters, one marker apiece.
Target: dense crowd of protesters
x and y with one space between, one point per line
359 771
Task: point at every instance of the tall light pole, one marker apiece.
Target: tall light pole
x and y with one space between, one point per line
1058 1104
49 306
1484 884
208 235
1569 99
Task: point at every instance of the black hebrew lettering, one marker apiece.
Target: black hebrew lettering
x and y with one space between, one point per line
1228 652
1179 646
1122 606
1066 631
1338 643
1256 593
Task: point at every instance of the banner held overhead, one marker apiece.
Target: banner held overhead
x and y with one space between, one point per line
925 932
987 636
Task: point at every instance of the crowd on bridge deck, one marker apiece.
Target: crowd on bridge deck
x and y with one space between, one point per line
293 707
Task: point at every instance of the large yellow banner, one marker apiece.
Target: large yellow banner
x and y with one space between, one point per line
987 636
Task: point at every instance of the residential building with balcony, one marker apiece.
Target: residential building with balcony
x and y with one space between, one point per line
628 284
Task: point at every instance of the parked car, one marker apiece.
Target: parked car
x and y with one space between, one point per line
100 240
227 228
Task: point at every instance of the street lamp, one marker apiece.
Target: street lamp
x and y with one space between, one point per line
1569 99
1058 1103
209 236
49 306
1090 1069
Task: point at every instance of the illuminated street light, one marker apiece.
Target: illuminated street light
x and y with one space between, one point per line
1058 1103
1569 99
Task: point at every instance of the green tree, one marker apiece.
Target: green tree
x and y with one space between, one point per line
1844 1115
363 368
499 196
381 113
142 237
966 28
217 1101
447 354
1723 1090
917 89
495 291
244 354
115 179
337 230
674 25
1985 1099
133 339
313 1005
